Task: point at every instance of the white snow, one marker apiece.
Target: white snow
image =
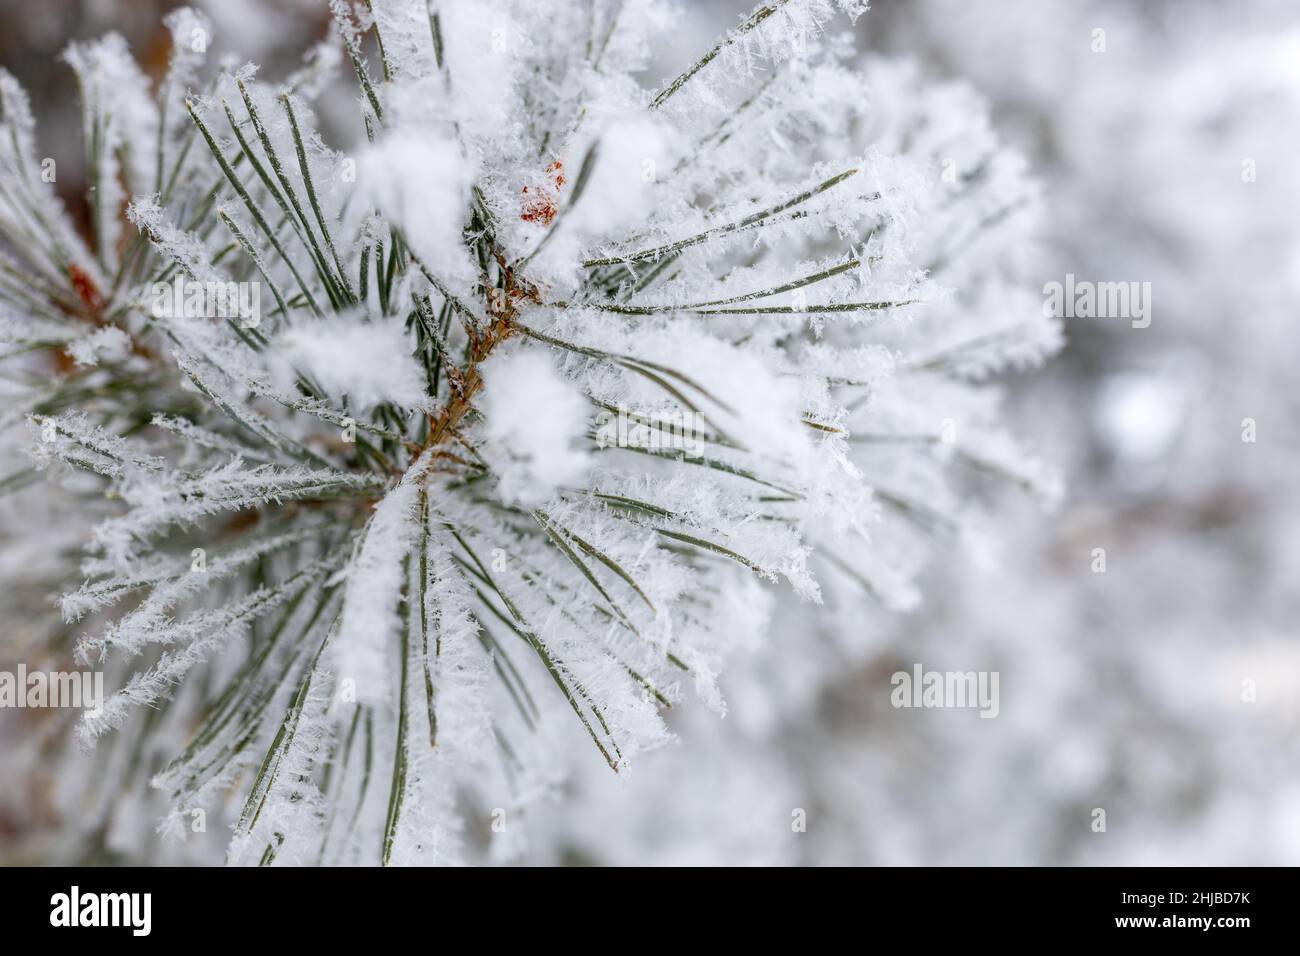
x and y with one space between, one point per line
534 423
369 362
108 344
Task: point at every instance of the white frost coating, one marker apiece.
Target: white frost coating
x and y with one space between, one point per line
366 648
183 248
116 94
108 344
191 33
369 363
482 43
766 261
421 181
534 422
404 25
43 216
633 155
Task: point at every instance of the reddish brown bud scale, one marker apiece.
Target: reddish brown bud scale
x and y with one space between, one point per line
86 289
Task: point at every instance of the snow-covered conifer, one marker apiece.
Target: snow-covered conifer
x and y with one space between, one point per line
403 469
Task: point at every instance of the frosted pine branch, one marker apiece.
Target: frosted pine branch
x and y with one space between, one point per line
522 408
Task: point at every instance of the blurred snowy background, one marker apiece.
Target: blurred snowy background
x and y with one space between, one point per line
1164 690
